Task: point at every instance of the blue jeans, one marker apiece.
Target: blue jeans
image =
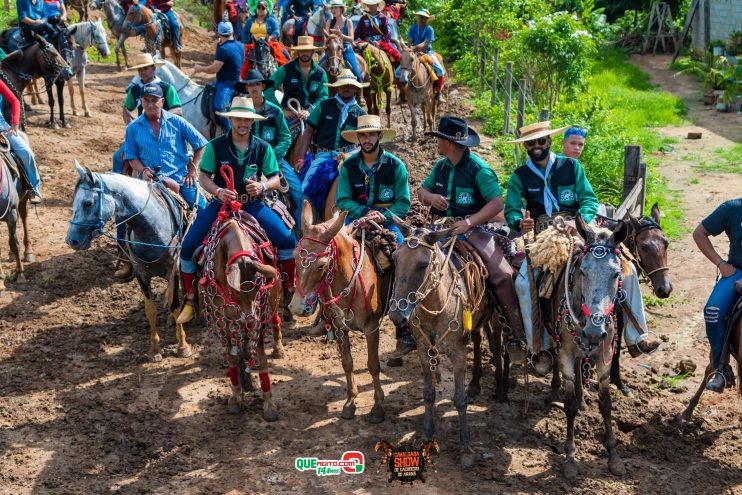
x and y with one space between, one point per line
118 163
20 145
715 312
274 227
224 92
174 26
294 189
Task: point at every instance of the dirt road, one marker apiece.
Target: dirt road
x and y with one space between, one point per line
82 410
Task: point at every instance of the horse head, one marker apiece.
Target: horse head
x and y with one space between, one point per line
49 61
406 64
99 36
92 206
648 244
596 287
334 55
316 258
418 264
64 41
261 57
134 17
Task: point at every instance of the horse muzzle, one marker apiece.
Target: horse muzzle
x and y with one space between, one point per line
663 289
302 306
78 243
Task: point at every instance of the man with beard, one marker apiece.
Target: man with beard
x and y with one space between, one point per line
301 79
547 186
464 187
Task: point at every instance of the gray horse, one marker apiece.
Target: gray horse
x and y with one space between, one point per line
155 228
115 18
87 34
191 96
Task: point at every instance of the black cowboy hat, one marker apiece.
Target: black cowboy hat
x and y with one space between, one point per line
455 130
253 76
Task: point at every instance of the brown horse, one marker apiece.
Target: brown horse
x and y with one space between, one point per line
441 298
241 294
337 271
334 60
381 76
143 20
417 84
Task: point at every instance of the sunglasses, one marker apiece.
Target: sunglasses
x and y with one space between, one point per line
540 141
262 7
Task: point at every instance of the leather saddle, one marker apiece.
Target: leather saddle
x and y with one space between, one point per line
15 166
207 107
167 29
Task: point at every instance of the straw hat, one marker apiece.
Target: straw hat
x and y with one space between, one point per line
380 3
425 13
241 108
306 43
337 3
537 130
142 60
346 78
369 123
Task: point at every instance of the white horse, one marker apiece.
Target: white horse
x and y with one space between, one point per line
115 19
90 33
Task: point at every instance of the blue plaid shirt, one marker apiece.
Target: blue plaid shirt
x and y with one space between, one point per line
170 152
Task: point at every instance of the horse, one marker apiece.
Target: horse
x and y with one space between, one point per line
81 7
146 23
586 338
241 294
417 84
442 299
115 18
336 270
334 60
191 96
732 344
381 75
14 203
261 57
90 33
39 59
155 220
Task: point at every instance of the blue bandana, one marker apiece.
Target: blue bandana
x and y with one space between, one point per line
575 131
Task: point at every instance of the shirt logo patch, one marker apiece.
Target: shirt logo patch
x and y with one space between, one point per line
313 86
294 80
386 193
268 134
567 196
465 198
534 189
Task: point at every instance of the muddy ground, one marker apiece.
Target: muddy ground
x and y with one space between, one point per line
82 410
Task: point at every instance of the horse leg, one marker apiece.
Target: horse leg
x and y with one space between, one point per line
428 395
52 122
2 278
388 93
374 368
349 408
458 357
184 348
235 403
35 96
413 120
270 411
12 220
150 310
556 383
28 256
571 407
278 351
81 84
71 91
688 413
615 464
474 387
60 101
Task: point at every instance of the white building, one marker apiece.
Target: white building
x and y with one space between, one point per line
724 18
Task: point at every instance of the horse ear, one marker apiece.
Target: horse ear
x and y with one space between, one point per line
634 222
435 236
234 276
84 172
656 214
583 229
334 225
620 232
307 217
72 30
403 226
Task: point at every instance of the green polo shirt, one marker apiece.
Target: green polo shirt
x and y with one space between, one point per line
270 165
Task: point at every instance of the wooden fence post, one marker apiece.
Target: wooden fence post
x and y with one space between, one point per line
482 66
633 170
508 94
521 105
495 56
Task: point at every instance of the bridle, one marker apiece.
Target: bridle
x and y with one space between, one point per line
332 48
415 69
633 245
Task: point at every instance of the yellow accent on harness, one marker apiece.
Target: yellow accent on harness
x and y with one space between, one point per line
467 320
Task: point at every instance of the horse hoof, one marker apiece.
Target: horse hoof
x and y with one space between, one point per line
394 362
29 258
473 390
349 411
20 278
185 352
88 114
75 113
234 405
616 467
278 352
570 470
66 125
155 357
270 413
52 125
377 415
468 459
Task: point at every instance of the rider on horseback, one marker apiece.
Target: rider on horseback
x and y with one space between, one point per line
342 27
463 186
274 131
32 19
567 193
373 27
726 218
302 80
56 9
250 158
230 55
19 142
299 10
166 7
421 36
157 140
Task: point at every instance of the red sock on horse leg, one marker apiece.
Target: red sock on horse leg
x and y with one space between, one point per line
232 375
265 381
440 84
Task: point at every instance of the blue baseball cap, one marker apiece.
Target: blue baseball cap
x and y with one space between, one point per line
225 29
152 89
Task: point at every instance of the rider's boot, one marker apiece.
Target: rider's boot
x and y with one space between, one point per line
439 90
124 270
717 382
405 344
189 310
645 346
33 197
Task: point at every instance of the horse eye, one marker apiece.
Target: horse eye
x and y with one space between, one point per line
87 203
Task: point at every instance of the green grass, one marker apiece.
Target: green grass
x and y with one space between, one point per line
671 381
728 160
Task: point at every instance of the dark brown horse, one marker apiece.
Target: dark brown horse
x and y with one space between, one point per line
381 77
144 21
